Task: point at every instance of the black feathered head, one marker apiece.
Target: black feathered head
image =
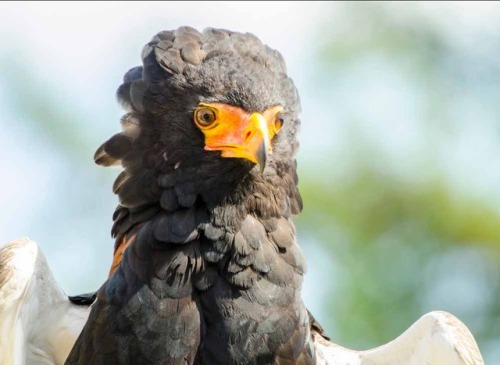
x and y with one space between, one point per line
212 118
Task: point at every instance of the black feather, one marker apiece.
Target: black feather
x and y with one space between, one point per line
214 273
83 299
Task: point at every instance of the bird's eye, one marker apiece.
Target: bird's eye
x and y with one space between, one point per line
278 122
204 117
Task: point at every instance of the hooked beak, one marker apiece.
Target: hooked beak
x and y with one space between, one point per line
259 143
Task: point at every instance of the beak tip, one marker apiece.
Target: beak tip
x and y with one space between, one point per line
262 155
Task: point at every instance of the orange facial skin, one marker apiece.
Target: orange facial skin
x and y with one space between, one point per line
238 133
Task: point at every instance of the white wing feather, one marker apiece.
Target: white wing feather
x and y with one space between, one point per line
38 324
437 338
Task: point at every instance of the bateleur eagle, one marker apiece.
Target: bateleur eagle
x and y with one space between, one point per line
206 268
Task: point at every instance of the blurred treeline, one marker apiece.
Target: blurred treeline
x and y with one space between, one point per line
406 204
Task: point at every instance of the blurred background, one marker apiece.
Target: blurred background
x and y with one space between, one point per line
400 145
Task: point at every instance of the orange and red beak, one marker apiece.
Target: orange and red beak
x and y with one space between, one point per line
238 133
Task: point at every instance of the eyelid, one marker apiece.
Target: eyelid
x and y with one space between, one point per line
203 105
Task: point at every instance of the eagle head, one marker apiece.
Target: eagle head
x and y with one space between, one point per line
212 118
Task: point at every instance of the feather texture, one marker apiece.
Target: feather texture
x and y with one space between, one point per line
39 325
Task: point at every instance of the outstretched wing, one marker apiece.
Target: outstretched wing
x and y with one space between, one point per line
38 324
437 338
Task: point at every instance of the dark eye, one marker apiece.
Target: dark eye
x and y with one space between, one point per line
278 122
204 116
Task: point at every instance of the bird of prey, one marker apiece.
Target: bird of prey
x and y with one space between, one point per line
206 267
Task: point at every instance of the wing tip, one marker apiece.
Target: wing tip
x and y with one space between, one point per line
17 264
460 335
20 253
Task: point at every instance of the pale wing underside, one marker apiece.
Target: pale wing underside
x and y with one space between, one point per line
437 338
38 325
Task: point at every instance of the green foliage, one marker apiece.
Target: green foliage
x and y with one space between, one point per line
406 236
